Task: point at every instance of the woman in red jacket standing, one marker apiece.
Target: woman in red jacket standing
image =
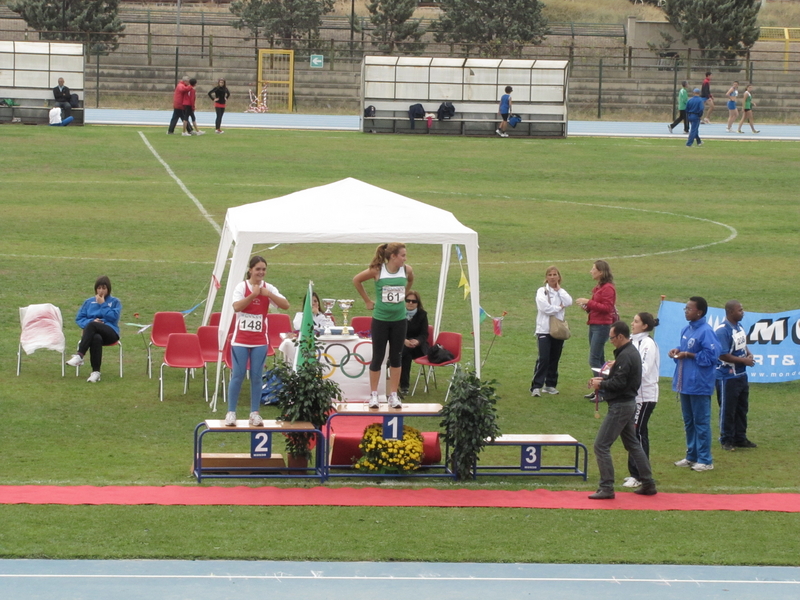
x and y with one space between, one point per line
602 313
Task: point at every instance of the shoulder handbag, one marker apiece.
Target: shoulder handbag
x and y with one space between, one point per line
558 329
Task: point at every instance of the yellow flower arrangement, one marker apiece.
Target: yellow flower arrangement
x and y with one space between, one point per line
390 456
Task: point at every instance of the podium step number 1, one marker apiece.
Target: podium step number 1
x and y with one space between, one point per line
393 428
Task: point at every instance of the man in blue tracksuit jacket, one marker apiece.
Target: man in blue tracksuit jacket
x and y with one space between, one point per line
694 378
694 112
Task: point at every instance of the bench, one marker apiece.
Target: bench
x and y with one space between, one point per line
471 118
531 456
33 107
261 462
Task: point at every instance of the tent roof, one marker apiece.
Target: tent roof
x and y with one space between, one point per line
347 211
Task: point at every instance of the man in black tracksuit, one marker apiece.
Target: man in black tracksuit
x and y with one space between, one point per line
619 391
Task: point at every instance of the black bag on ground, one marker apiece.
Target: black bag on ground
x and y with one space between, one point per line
439 354
446 111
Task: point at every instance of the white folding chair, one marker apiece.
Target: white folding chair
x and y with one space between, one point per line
42 327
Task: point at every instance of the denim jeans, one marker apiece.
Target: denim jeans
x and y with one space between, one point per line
239 356
598 336
619 424
697 424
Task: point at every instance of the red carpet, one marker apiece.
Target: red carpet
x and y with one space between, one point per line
325 496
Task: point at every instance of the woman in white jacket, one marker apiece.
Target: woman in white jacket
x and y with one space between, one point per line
551 300
646 398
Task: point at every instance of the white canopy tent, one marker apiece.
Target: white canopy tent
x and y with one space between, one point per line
345 212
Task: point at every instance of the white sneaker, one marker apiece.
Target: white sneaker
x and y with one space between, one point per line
701 467
75 361
194 132
94 377
219 131
230 419
670 128
255 419
631 482
536 392
498 132
373 400
394 401
549 390
201 132
185 134
684 463
503 135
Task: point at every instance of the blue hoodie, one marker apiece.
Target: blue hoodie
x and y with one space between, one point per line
696 376
108 312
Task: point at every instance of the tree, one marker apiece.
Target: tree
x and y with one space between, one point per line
393 25
95 22
285 20
724 29
498 27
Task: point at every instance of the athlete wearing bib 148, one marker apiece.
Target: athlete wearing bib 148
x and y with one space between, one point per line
393 278
251 301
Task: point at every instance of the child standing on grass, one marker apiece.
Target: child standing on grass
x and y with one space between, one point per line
505 110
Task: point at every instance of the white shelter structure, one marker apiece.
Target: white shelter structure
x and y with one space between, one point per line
345 212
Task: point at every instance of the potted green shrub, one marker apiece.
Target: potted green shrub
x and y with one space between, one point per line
305 396
469 419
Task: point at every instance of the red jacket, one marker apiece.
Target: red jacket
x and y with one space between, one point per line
188 96
602 307
177 97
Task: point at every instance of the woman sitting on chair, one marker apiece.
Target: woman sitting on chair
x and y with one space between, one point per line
416 343
321 320
99 319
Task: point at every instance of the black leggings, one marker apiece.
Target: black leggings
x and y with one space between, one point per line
682 117
393 333
95 336
220 111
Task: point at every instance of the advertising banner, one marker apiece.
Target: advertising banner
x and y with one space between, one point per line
773 338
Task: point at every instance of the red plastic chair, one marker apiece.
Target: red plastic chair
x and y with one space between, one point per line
361 324
277 323
450 341
214 319
164 324
183 352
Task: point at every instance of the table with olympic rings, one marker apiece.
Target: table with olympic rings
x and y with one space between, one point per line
346 360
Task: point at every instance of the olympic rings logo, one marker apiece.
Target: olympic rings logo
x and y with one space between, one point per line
339 356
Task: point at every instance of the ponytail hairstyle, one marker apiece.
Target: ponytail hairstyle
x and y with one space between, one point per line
648 320
253 262
384 252
605 269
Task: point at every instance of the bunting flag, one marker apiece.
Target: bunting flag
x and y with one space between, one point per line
482 314
215 281
497 324
306 335
463 282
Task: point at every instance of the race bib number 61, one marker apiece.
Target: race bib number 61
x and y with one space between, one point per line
393 294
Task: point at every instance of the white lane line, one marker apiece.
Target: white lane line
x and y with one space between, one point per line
318 576
197 203
732 235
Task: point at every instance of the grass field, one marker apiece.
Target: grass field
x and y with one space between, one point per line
719 221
